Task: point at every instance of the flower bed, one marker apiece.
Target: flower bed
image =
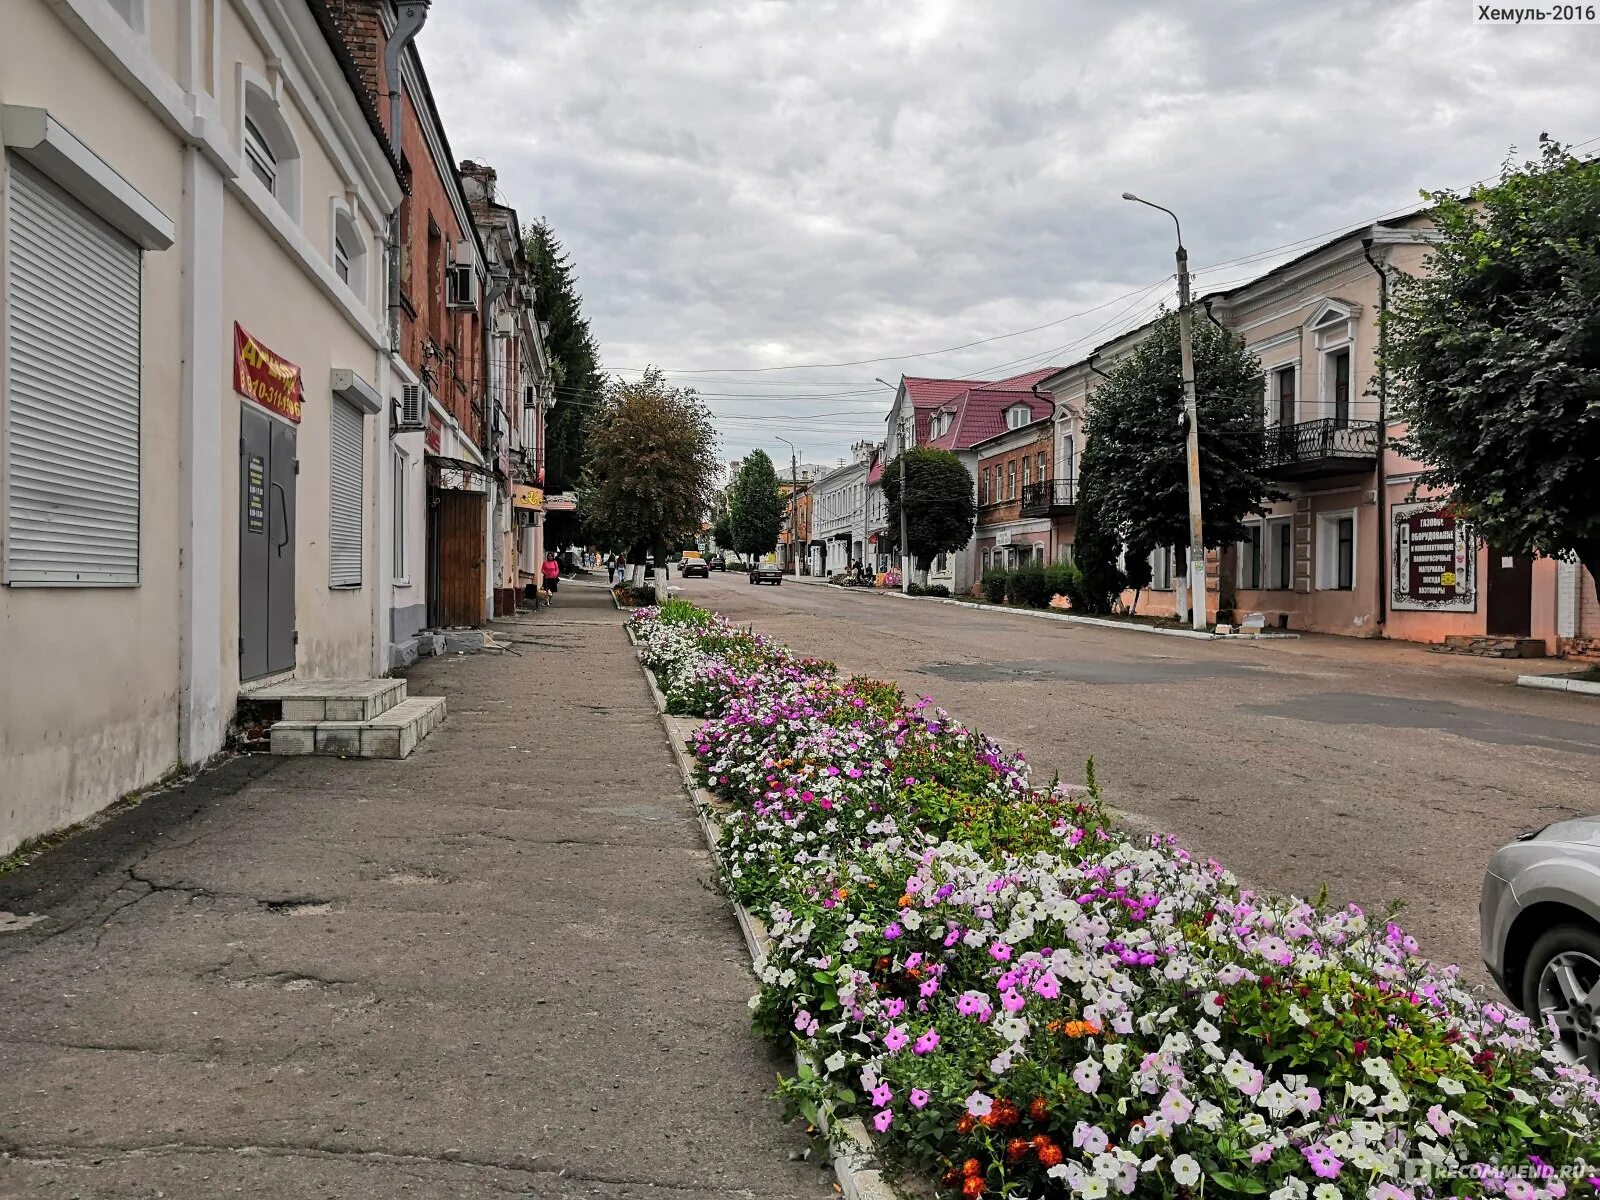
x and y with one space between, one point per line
1021 999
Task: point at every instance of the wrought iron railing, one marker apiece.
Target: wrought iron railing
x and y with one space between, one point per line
1049 496
1329 439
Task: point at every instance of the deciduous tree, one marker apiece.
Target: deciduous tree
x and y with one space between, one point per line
651 467
1494 357
939 503
755 507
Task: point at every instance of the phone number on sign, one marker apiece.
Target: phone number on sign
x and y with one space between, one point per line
1549 14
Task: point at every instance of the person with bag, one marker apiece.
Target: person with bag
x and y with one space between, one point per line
552 574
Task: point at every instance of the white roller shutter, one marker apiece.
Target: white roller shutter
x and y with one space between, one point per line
344 496
72 391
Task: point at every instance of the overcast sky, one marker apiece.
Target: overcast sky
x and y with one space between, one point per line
762 183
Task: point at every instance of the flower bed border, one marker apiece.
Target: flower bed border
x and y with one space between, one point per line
851 1149
1274 635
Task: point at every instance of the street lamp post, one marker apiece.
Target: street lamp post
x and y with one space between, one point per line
794 505
1197 545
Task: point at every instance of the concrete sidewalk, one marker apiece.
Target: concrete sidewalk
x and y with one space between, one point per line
491 969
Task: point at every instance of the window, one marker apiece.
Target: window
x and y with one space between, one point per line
398 488
1339 386
1038 554
1027 472
346 445
1161 569
72 403
1018 415
1336 551
1041 472
269 147
1282 409
263 162
1011 479
941 565
983 486
1064 552
986 558
1280 554
435 281
349 251
341 258
1250 557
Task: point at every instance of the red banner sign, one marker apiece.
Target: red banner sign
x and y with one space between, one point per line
269 380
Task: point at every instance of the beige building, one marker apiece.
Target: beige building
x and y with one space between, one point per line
192 360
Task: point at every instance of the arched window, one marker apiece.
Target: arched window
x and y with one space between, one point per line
270 152
349 251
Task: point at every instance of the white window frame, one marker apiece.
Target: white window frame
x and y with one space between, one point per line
347 241
400 518
1039 558
1270 400
1259 529
1161 569
1269 555
1334 330
1018 415
261 106
1327 549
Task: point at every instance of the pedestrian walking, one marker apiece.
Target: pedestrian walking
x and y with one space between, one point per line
552 574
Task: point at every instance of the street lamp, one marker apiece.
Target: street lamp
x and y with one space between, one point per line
794 504
1197 545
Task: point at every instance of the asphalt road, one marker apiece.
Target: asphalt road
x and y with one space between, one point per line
1385 771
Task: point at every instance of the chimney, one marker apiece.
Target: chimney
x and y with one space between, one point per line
361 26
478 181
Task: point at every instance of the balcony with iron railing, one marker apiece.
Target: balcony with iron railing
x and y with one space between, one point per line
1050 497
1314 449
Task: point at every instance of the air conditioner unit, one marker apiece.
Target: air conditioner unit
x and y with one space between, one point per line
413 409
460 286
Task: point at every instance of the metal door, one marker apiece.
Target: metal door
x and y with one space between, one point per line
1510 595
266 544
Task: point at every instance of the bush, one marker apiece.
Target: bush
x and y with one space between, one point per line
1022 999
936 589
635 595
1060 579
994 585
1026 587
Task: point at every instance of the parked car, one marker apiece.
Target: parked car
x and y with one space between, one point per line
694 566
766 572
1539 921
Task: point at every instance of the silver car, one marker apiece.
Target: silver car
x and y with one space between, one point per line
1539 921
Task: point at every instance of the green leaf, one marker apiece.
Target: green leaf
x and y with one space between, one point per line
1238 1183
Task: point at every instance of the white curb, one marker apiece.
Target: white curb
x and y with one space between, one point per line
1559 683
1103 622
858 1179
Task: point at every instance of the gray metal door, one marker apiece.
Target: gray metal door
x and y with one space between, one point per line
266 544
280 575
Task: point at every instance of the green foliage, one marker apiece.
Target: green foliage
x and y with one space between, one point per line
939 504
1095 545
652 462
1026 586
1137 569
1494 356
1060 579
755 506
936 589
916 589
994 584
1134 421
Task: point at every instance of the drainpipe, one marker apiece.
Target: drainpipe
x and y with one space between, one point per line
1383 433
1211 316
1090 363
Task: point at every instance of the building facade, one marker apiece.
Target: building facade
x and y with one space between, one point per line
191 461
1016 498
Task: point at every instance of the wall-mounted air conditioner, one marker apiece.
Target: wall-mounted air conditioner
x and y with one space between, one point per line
413 416
460 286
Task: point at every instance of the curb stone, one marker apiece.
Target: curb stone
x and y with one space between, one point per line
852 1161
1559 683
1104 623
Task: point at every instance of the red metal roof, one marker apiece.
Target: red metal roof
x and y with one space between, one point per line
928 394
980 414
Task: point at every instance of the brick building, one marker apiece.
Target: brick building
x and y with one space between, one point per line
1017 497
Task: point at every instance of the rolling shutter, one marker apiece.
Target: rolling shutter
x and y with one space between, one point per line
344 496
72 391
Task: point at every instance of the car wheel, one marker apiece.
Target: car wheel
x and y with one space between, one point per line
1562 983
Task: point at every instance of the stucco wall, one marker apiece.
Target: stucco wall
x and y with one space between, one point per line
88 690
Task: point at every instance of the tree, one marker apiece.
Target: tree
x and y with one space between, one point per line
1494 357
1135 425
651 467
575 369
1137 570
939 503
1095 544
755 506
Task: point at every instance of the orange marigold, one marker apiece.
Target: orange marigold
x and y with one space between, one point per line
965 1124
1049 1154
1017 1148
1038 1109
973 1186
971 1167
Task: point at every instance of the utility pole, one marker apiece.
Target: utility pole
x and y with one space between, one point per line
905 548
794 505
1197 544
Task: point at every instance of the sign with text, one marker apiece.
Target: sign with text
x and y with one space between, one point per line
255 494
1435 559
561 502
526 496
435 435
271 381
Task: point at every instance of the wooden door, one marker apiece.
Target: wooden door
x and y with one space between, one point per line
1510 603
462 585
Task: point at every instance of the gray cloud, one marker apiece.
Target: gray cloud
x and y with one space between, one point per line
763 182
